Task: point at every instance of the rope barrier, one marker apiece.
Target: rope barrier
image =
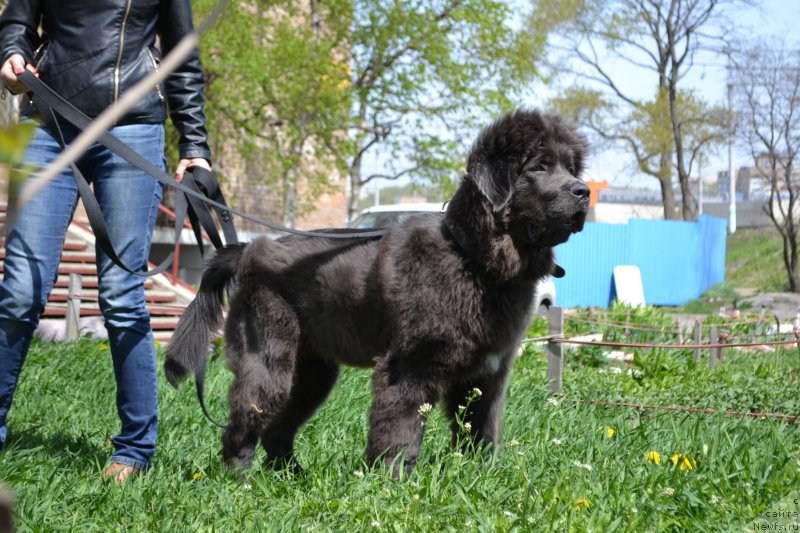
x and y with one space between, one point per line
565 340
665 328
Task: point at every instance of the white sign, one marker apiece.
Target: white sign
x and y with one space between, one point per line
628 285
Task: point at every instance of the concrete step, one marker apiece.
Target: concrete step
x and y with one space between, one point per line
67 256
71 268
60 294
92 309
87 282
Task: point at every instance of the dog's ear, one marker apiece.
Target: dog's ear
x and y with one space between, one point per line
492 177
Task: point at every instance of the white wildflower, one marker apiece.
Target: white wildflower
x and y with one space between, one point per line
375 523
467 425
557 442
512 443
359 474
669 491
705 449
508 514
715 499
585 466
416 497
462 407
477 392
552 401
425 408
247 486
634 510
458 454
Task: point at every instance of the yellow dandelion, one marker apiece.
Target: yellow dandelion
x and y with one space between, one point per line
104 346
610 432
158 344
197 475
653 457
683 462
581 503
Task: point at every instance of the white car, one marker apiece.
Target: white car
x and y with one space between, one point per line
383 216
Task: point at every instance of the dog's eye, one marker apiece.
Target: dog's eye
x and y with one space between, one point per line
538 167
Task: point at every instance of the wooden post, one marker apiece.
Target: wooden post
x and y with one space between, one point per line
73 307
628 323
713 340
679 327
760 324
698 337
555 362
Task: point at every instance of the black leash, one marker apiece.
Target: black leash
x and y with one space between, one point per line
199 186
81 121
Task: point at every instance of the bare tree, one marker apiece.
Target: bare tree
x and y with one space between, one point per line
666 131
767 87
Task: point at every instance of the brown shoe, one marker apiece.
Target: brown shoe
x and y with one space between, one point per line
120 473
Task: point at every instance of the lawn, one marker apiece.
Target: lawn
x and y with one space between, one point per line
562 466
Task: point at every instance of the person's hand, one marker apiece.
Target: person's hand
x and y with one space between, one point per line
14 65
183 164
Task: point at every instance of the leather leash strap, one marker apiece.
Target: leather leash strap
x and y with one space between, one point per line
81 121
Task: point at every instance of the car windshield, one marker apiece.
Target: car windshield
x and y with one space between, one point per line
380 220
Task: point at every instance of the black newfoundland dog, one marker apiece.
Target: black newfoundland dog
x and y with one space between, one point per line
438 305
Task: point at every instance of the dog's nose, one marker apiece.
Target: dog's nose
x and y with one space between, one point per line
580 190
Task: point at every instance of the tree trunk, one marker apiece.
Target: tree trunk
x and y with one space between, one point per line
667 194
790 262
355 186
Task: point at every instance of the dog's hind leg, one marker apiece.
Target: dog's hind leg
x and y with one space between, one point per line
262 337
401 399
313 381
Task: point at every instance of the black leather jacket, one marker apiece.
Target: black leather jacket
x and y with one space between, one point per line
91 51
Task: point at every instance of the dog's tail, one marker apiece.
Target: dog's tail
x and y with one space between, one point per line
188 350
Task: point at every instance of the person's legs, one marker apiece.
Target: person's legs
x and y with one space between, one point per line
33 251
129 200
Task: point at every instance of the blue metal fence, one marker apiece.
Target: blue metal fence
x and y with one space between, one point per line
678 260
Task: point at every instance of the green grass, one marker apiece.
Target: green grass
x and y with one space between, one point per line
754 259
554 454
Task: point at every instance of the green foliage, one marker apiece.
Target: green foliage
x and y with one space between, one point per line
13 141
279 87
754 259
427 74
308 92
556 469
664 132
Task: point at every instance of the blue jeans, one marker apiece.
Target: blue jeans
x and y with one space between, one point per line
129 200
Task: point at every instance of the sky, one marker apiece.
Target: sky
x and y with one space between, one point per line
771 18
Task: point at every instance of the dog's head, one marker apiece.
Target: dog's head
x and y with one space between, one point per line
528 166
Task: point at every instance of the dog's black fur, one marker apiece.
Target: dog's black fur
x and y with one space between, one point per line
438 305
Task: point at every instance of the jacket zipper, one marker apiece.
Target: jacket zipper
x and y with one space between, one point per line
121 45
155 67
43 49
